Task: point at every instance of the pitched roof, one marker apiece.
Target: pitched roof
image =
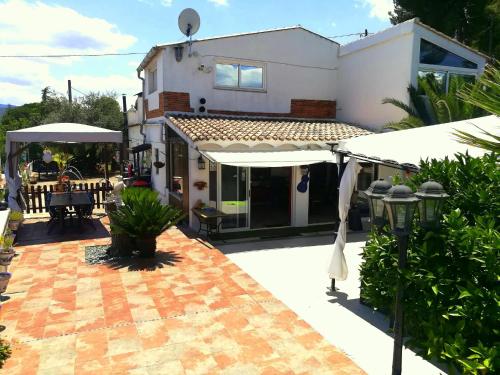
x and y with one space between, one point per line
236 128
154 50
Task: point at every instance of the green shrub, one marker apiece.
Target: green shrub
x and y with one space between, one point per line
143 215
452 277
5 352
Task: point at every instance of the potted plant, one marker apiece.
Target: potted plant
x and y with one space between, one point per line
3 204
143 217
7 251
200 184
4 281
5 352
15 219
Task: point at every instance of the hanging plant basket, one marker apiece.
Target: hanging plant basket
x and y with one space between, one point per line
159 164
200 185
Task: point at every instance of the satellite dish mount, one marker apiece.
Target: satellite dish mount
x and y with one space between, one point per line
189 24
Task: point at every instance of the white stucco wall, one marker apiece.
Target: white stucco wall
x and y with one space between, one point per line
153 98
196 174
309 70
369 75
382 66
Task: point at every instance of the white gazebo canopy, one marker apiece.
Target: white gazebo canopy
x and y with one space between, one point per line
65 132
401 147
58 133
426 142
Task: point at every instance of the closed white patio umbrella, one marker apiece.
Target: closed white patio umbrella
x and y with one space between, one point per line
338 265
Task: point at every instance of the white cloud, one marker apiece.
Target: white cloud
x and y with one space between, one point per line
378 8
45 30
219 2
168 3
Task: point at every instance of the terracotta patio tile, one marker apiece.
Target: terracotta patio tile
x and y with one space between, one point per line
202 316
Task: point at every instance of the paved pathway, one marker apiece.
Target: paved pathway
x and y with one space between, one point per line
192 312
295 271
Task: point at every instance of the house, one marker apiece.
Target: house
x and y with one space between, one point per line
382 65
243 123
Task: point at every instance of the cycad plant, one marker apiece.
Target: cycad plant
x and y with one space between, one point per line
143 218
429 105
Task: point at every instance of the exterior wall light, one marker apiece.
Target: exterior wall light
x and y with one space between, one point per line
432 196
201 163
374 194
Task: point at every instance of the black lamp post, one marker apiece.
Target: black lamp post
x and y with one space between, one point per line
375 193
400 203
432 196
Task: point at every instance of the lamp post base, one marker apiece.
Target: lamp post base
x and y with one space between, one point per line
397 353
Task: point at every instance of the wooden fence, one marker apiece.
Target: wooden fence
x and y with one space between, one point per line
36 197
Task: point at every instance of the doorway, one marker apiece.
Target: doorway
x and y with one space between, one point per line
323 193
270 203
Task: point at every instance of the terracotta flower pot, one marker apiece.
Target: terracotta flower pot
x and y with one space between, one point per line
6 257
4 281
146 246
14 225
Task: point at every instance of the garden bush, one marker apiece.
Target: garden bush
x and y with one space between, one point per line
5 352
452 280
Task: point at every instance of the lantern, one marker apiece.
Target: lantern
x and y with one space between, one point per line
400 203
374 194
432 196
201 163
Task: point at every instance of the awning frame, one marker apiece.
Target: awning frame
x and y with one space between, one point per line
407 167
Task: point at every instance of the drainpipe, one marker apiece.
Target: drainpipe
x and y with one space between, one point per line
141 129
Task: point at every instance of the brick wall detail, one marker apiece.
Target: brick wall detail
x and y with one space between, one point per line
313 108
169 102
300 108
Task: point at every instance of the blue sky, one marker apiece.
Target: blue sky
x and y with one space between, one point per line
118 26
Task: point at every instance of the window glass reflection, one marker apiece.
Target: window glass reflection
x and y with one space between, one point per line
251 77
226 75
435 55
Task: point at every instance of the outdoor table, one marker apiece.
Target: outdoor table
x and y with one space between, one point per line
76 199
209 217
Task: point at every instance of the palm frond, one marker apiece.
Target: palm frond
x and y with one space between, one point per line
492 145
401 105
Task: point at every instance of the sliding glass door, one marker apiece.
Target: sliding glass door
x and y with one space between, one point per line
234 189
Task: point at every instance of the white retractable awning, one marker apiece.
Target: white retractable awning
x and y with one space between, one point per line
426 142
270 158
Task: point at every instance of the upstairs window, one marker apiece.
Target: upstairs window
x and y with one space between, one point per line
152 81
434 55
239 76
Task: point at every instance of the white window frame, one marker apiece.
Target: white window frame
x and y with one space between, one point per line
447 70
239 63
152 73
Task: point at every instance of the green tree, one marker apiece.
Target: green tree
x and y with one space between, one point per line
485 95
475 23
429 105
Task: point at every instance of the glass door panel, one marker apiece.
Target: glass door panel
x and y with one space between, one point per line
234 196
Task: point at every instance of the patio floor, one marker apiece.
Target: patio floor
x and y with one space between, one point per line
192 311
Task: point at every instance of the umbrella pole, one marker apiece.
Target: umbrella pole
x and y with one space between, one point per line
333 285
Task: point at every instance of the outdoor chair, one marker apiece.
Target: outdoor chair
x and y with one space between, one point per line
53 212
85 212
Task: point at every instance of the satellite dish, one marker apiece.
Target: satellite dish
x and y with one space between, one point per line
189 22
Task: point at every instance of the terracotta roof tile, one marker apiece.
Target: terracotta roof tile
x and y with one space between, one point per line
234 128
